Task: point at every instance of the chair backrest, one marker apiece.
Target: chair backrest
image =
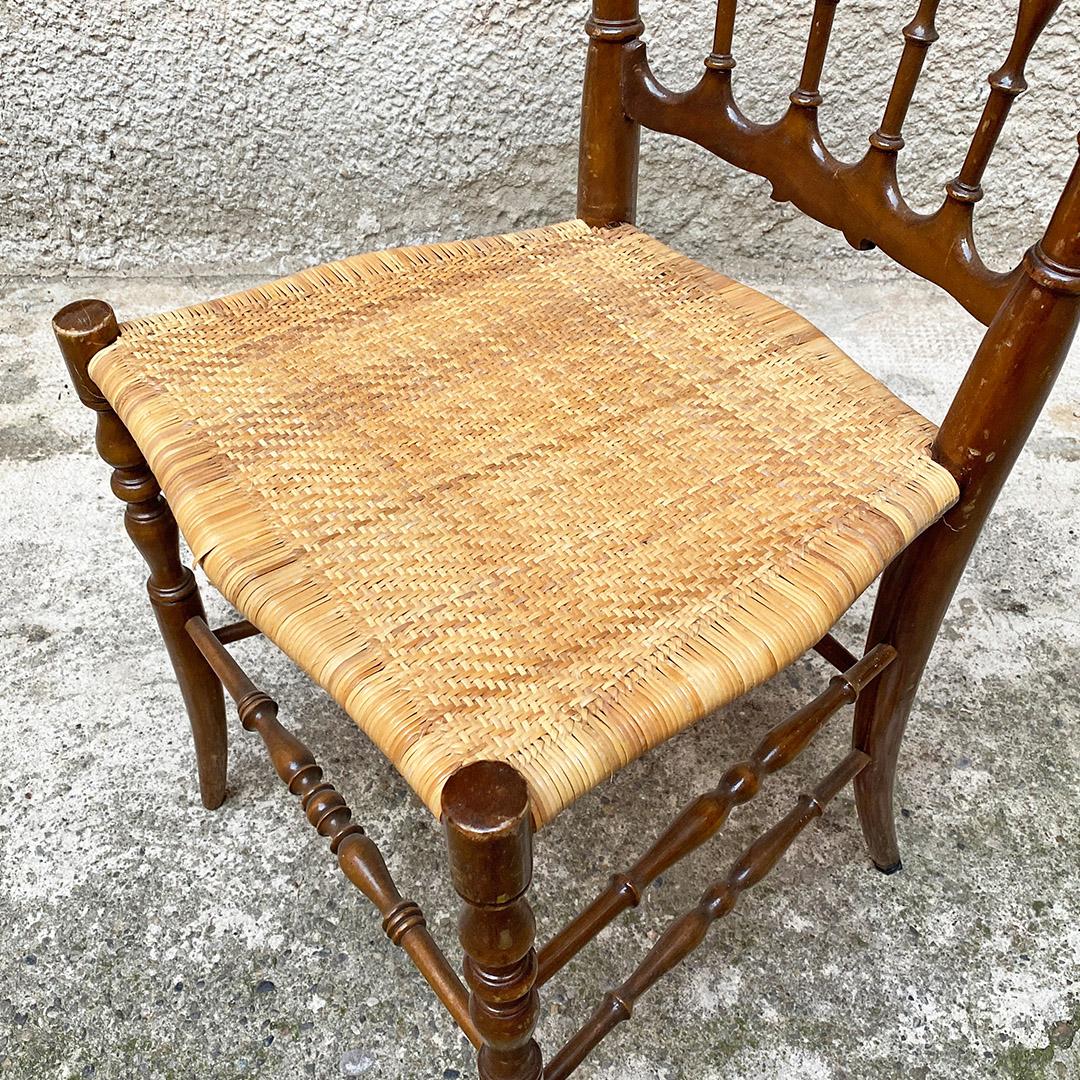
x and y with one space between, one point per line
862 199
1032 310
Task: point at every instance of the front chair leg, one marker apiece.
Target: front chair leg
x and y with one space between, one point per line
83 329
488 826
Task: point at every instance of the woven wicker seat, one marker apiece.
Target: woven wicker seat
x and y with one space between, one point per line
546 498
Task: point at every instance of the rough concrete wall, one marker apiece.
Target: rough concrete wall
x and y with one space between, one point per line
194 133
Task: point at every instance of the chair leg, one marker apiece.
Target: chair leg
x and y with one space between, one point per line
912 599
489 836
83 329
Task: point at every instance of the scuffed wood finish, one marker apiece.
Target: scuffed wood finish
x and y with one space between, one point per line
987 425
82 329
357 854
685 934
702 818
862 199
488 824
610 140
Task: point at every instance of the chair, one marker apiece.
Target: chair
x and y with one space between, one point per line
528 505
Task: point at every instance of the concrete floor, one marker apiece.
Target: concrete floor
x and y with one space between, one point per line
145 937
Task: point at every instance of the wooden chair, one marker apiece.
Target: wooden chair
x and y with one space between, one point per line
528 505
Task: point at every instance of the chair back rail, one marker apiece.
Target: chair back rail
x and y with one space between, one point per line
861 199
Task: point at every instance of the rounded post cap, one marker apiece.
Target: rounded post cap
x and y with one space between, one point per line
85 319
486 815
82 330
483 796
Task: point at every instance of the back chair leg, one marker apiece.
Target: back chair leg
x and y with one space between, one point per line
912 599
83 329
986 426
488 826
914 594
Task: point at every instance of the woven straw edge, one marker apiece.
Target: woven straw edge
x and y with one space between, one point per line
350 270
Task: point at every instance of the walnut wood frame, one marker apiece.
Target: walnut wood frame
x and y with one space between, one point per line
1031 313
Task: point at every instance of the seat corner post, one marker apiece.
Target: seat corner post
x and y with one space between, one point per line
610 140
82 330
488 824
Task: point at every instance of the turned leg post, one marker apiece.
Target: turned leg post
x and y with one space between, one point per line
83 329
488 826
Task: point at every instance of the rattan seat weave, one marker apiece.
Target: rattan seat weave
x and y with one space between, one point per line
547 497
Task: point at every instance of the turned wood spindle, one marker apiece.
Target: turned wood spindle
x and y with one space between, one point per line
488 826
686 933
919 35
82 330
721 59
808 94
328 813
1006 85
706 815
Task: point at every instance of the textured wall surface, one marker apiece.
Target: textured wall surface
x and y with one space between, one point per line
267 134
